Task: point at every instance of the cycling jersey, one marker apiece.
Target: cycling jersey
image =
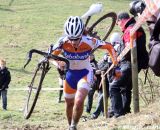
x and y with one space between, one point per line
80 72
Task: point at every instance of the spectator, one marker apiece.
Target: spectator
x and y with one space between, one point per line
93 86
102 66
126 24
119 80
136 8
5 79
62 72
120 88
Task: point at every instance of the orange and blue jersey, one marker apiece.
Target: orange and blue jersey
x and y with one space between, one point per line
80 73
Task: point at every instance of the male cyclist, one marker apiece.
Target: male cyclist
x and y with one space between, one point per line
76 48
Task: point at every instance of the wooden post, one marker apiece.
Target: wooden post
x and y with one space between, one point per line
134 74
105 97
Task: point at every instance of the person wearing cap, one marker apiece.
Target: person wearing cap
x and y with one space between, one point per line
5 79
126 23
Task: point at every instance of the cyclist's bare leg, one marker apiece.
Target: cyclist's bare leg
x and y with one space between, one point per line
69 109
78 105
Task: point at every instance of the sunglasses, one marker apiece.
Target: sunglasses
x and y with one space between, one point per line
73 39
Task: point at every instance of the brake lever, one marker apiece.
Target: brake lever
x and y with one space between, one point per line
50 49
29 57
26 63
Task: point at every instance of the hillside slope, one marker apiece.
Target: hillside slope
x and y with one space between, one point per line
147 119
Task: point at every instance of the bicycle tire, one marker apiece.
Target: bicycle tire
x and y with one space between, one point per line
31 103
111 15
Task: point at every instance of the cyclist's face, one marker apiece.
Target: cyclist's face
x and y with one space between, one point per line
75 42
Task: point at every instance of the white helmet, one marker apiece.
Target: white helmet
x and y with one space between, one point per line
115 38
74 27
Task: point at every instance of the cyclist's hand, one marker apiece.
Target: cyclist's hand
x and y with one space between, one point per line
115 63
61 65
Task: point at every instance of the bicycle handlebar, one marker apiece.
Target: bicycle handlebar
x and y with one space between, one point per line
47 55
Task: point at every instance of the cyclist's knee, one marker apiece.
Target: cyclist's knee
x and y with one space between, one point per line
80 96
81 93
79 103
69 102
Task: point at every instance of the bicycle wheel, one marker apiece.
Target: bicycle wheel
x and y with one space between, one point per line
103 26
34 88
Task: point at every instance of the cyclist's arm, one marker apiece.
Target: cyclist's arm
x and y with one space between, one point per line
57 50
57 63
111 52
110 49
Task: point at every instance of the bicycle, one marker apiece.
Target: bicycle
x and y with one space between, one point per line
40 72
43 66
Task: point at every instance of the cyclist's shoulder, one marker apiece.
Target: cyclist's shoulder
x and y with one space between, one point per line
86 37
90 40
62 39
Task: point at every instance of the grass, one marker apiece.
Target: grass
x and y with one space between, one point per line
36 24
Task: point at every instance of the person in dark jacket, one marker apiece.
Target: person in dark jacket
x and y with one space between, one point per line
102 66
121 88
136 9
153 22
119 79
93 86
5 79
126 23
